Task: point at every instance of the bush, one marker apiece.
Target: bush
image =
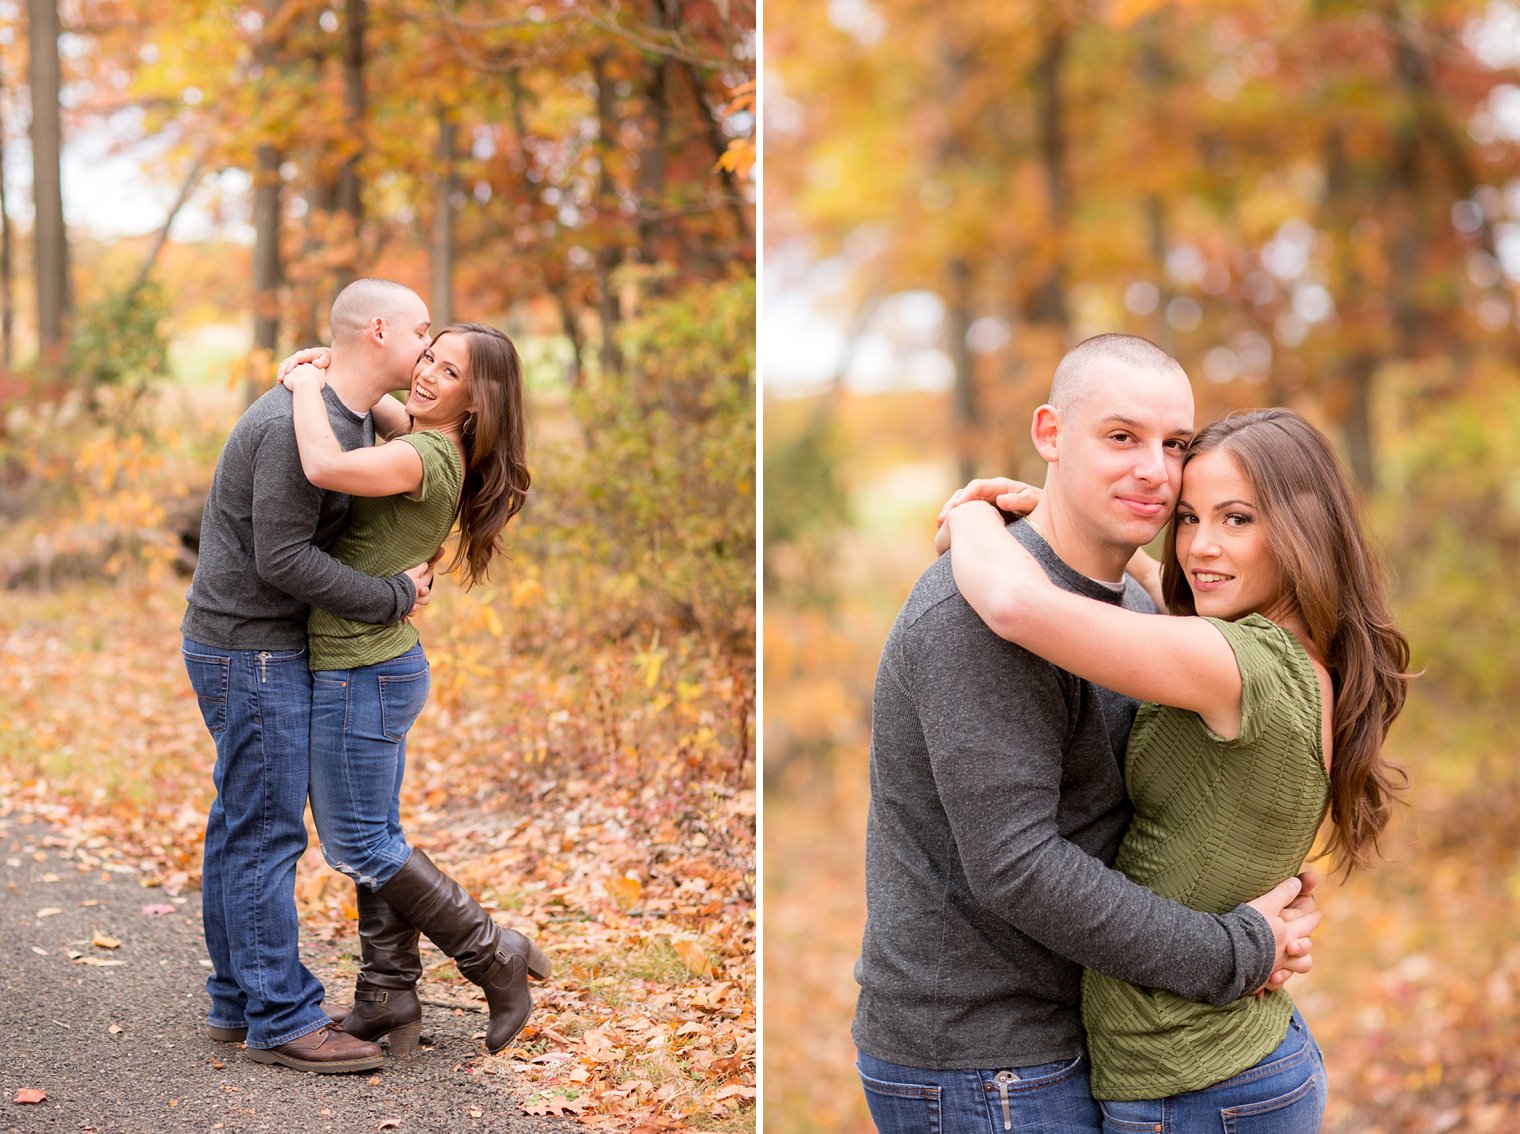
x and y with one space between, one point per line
665 488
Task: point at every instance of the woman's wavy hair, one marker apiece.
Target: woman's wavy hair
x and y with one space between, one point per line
1335 581
496 477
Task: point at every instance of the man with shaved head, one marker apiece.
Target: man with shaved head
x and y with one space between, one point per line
997 802
263 564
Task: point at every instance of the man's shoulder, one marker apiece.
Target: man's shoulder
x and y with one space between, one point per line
270 412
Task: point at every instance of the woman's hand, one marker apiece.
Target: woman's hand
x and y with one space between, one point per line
312 356
302 376
1013 496
1006 493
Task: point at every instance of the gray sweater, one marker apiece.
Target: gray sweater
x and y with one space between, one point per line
997 799
263 534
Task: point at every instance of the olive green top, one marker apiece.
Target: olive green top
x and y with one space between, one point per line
1217 822
387 534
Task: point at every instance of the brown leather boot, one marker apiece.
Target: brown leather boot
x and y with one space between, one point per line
385 995
498 960
327 1050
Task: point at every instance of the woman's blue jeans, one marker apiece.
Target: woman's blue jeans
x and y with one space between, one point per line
359 721
1283 1094
257 706
1028 1100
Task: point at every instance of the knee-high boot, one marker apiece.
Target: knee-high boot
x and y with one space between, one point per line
385 995
498 960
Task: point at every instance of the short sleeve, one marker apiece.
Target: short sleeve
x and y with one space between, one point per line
1279 691
442 469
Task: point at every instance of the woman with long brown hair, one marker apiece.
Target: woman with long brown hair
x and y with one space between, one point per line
1266 706
461 458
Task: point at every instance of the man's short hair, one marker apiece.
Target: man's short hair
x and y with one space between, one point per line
361 301
1074 374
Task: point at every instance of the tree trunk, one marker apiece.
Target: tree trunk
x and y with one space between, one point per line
656 138
7 268
958 327
268 275
1357 424
350 188
1050 297
610 255
573 333
442 251
52 248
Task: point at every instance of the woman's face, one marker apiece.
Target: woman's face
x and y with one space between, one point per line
441 382
1222 546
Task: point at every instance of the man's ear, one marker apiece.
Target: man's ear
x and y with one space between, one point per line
1045 431
375 330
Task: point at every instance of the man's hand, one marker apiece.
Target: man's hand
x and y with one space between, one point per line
422 577
313 356
1289 910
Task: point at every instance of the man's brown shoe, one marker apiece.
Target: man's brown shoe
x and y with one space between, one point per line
326 1051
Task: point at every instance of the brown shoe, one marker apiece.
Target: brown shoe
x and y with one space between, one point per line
326 1051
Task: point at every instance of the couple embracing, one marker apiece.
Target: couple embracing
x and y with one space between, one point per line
317 544
1036 720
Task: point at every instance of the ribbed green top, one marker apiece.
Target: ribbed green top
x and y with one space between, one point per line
387 534
1217 822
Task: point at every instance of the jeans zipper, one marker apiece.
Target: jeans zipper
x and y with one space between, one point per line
1002 1079
263 666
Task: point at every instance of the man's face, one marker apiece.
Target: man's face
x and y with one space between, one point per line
406 337
1120 448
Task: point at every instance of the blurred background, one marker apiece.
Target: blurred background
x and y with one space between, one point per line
186 186
1310 205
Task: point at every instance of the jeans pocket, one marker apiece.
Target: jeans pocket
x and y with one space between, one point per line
902 1108
1140 1117
402 697
209 678
1298 1111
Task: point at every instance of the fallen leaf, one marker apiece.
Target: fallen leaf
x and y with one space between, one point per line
160 908
30 1095
49 911
693 957
40 951
625 891
97 962
388 1124
116 1029
734 1089
101 941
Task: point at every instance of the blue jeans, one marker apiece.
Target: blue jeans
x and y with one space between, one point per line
257 707
1283 1094
359 721
1031 1100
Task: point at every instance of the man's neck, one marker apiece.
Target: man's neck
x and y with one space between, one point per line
353 383
1075 548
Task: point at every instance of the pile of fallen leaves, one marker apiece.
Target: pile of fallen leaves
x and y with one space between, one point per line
594 795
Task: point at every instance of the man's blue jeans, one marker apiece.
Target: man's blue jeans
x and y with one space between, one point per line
1027 1100
359 721
1282 1094
257 707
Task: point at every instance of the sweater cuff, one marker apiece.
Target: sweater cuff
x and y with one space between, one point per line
1255 947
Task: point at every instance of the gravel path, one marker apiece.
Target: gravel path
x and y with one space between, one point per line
120 1047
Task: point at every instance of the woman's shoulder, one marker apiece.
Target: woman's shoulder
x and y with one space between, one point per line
1278 677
